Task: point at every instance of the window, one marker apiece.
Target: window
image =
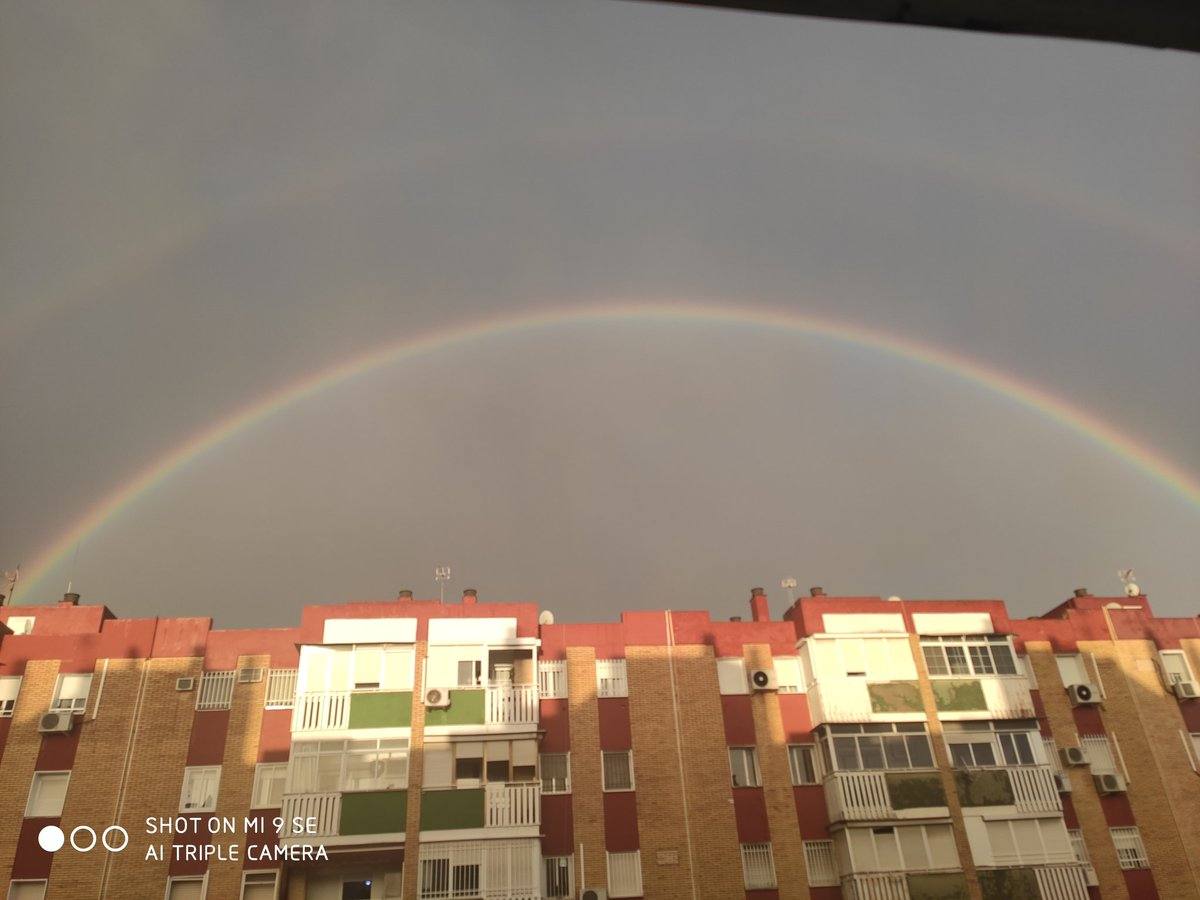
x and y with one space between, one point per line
269 781
556 773
612 678
71 693
788 676
1016 747
1026 665
618 770
895 848
200 786
556 873
731 676
351 765
26 890
216 690
743 763
281 688
470 673
185 889
1099 753
1017 842
21 624
552 678
976 744
258 886
1195 750
468 763
1071 669
900 745
10 687
1175 667
818 859
971 654
46 794
802 760
1131 852
439 765
625 874
758 866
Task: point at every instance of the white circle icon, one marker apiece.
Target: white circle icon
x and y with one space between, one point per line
51 838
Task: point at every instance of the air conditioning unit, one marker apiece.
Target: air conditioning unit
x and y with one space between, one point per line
1090 876
56 721
437 698
1109 783
1186 690
594 894
763 680
248 676
1074 756
1062 782
1083 695
185 684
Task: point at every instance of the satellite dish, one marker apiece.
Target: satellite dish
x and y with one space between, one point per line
894 598
1132 590
545 617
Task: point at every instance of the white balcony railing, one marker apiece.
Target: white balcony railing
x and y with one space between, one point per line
323 711
858 795
875 886
319 814
1062 882
512 704
513 804
1034 788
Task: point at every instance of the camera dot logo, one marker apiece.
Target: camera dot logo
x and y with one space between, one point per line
51 838
83 838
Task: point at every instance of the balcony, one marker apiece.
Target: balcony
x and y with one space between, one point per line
496 805
499 704
903 885
324 811
855 699
340 710
1026 788
1066 882
513 805
352 816
858 796
983 697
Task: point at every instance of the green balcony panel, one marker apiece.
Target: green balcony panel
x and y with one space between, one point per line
374 812
466 708
895 696
959 695
937 886
442 810
915 790
1009 884
382 709
983 787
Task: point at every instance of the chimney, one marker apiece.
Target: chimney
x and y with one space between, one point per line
735 618
760 611
469 596
69 600
404 595
816 592
1082 592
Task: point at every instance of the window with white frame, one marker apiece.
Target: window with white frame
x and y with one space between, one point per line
10 688
470 673
970 654
878 745
557 878
552 678
743 765
71 693
1002 743
47 793
820 863
788 676
216 690
200 786
21 624
1098 750
281 689
802 761
270 779
259 885
894 848
1175 667
758 866
731 676
1072 669
1131 852
612 678
556 773
1079 845
618 770
625 874
1026 666
186 888
27 890
379 764
1018 842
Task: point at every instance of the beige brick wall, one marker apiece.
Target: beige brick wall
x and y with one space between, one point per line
159 754
21 752
237 774
790 870
1146 721
416 776
95 775
688 840
1092 823
587 802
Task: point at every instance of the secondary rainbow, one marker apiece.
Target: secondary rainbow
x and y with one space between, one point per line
1142 457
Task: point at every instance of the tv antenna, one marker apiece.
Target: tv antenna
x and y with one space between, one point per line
1131 589
10 580
789 585
441 575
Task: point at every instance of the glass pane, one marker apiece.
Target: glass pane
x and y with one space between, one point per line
872 752
941 847
935 661
845 749
1002 655
957 660
616 772
887 850
912 845
985 755
895 752
981 658
960 756
919 752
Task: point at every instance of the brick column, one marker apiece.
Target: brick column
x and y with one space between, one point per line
416 774
587 801
21 751
790 869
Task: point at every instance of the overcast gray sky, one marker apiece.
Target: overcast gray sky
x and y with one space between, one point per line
201 202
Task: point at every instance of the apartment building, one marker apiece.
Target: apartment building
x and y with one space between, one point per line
853 747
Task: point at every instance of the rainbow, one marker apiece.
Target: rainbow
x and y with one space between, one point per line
1030 396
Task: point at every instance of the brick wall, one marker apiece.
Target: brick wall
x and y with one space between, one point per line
21 752
416 775
586 791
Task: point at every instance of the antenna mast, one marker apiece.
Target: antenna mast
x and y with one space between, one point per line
11 579
441 575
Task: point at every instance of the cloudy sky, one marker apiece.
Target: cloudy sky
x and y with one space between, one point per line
204 203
